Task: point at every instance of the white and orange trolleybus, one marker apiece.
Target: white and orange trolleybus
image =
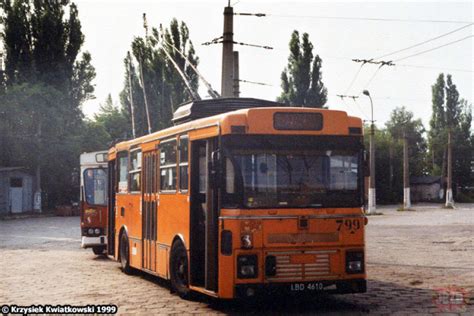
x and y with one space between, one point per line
94 200
241 197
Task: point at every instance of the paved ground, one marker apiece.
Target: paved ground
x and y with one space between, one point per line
409 254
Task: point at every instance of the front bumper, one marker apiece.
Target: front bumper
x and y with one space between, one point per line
88 242
302 288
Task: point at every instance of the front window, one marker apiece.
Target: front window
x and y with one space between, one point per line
284 178
95 186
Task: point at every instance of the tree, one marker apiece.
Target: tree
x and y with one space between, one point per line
164 87
388 166
301 80
403 124
113 121
450 113
44 85
437 134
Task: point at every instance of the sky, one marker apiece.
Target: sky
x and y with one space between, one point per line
339 31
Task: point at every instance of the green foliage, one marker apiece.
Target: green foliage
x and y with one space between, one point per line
34 133
301 80
402 124
388 165
44 84
451 113
113 120
165 89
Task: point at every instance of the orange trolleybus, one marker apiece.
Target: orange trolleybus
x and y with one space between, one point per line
241 197
94 201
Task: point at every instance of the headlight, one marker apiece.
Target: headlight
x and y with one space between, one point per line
97 231
246 241
247 267
91 231
354 262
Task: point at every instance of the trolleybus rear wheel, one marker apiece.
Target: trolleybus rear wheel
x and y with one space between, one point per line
179 270
125 255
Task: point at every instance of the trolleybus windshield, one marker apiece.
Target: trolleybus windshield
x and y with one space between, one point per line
95 186
292 177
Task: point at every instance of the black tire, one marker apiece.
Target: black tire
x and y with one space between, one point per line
125 255
179 270
98 250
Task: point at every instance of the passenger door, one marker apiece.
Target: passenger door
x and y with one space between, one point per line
150 210
204 212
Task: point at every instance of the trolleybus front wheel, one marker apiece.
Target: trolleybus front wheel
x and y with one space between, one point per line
179 270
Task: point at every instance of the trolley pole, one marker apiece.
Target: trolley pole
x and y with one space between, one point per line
372 203
132 111
142 59
449 189
227 83
406 175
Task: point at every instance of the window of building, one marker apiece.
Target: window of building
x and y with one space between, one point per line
183 163
135 172
168 157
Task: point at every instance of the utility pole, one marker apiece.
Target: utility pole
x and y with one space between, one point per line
390 163
406 175
132 111
372 201
227 83
37 195
449 189
236 75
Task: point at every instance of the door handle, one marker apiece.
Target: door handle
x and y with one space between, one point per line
122 211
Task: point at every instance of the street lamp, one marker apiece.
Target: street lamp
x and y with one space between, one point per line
371 209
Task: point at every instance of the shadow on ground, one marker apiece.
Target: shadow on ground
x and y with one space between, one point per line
381 297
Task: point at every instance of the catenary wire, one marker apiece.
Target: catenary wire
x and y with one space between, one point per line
367 19
424 42
434 48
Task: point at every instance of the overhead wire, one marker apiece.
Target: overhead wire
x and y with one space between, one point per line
354 78
434 48
426 41
367 19
439 68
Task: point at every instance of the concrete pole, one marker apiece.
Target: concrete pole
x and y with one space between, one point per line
227 83
449 189
406 175
390 167
372 200
372 203
236 75
37 196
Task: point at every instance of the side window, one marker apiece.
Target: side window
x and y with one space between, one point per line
183 163
122 172
202 170
135 172
168 157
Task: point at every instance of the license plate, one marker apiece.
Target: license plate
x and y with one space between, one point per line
300 287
